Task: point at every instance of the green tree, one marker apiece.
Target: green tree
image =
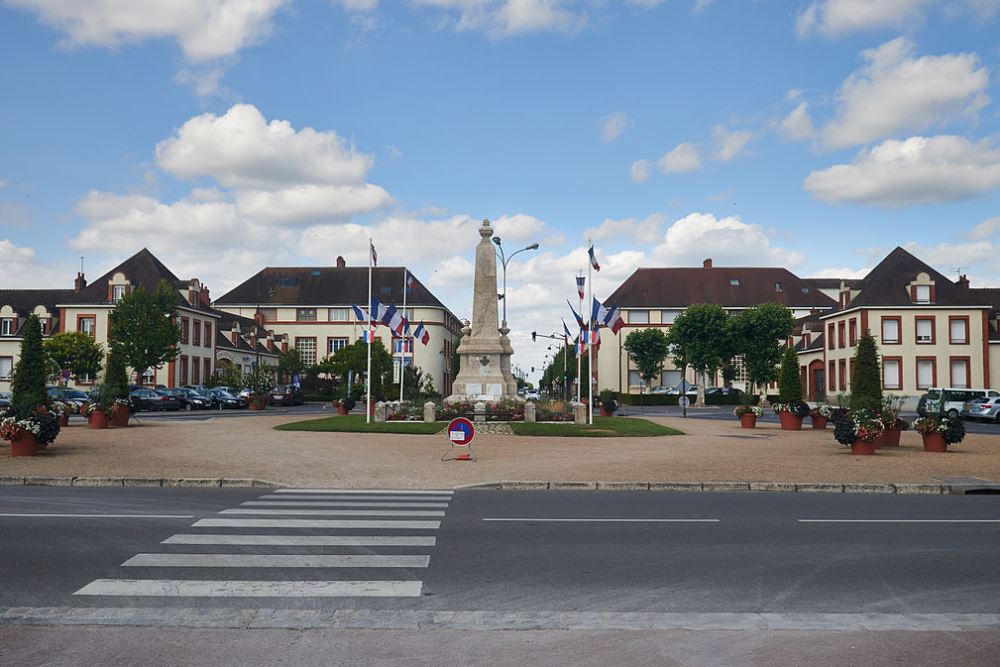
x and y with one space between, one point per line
866 378
789 379
552 375
143 326
759 335
355 358
115 376
30 375
699 338
290 364
647 348
76 352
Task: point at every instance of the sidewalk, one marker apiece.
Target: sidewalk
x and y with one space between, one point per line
711 450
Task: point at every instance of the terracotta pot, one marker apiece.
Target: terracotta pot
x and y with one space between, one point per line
606 413
256 403
119 417
934 442
819 422
98 419
862 448
24 445
64 420
789 422
748 420
341 410
891 437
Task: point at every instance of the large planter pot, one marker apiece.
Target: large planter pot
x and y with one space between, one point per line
890 438
119 417
748 420
98 419
606 413
789 422
257 402
862 448
24 445
934 442
341 410
818 421
64 420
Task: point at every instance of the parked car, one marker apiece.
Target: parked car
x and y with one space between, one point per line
954 400
986 408
153 400
661 390
74 397
4 399
223 399
692 390
287 394
723 391
189 399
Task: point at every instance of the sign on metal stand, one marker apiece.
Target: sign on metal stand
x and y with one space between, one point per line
460 433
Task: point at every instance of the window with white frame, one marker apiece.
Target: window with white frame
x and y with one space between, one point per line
890 330
335 344
638 317
7 326
923 294
117 293
891 374
668 316
305 314
88 325
340 314
307 350
925 373
960 373
925 330
6 368
958 330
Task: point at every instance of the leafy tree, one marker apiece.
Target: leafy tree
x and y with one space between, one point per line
115 376
143 326
699 338
552 376
28 381
759 334
226 376
866 379
290 363
648 348
789 380
355 358
76 352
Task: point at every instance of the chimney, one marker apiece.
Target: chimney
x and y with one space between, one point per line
205 299
234 336
963 281
707 264
341 263
80 283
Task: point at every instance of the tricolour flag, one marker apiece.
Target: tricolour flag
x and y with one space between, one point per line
614 320
374 254
579 320
568 336
593 258
392 319
358 313
422 334
597 314
367 336
581 282
378 311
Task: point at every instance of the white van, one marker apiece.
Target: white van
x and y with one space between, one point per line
954 399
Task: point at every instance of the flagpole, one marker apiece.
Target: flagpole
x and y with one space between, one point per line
402 347
579 356
368 377
590 340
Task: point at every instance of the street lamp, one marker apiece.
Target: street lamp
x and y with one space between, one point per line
504 260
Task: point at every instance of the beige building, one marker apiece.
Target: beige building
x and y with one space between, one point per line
311 307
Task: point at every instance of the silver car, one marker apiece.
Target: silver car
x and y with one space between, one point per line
986 409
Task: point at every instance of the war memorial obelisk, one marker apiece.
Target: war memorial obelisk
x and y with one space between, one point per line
484 350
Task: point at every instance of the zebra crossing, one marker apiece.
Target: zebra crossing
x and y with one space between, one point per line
299 538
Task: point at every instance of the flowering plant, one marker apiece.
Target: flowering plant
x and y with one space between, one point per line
60 407
822 410
868 424
11 428
754 410
799 409
952 430
891 407
96 406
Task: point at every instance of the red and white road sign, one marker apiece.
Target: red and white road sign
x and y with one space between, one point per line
461 432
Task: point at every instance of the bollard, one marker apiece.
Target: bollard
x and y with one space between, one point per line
529 412
580 414
480 409
430 411
379 415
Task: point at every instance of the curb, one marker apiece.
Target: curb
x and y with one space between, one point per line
743 487
140 482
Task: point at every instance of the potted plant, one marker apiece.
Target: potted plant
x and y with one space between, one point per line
260 381
119 414
748 414
790 408
938 432
97 414
22 435
791 414
62 411
820 415
894 425
345 404
115 389
608 403
860 430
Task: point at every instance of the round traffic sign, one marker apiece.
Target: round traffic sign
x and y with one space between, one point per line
461 432
683 401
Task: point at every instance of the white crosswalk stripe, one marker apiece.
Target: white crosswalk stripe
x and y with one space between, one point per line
297 510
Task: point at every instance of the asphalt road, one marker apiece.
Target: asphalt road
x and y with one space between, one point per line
652 578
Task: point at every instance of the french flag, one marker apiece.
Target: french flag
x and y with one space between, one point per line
422 334
359 314
614 320
579 320
580 284
368 336
593 258
569 336
392 319
378 311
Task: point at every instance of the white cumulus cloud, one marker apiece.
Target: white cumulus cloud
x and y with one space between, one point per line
629 230
797 125
682 158
837 18
728 241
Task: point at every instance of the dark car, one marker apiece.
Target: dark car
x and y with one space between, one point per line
222 399
287 394
151 399
74 397
4 399
189 399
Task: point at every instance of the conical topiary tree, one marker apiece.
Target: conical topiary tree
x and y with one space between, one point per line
115 376
31 373
866 379
789 380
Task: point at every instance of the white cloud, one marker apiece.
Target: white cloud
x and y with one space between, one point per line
919 170
797 125
242 149
23 268
728 241
309 203
896 91
949 256
985 229
639 171
701 5
682 158
729 145
613 126
846 273
834 18
628 230
505 18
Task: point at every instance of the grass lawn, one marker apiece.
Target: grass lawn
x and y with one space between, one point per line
356 424
604 427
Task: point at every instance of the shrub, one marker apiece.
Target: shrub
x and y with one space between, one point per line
866 380
789 380
30 374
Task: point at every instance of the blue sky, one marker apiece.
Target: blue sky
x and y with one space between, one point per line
230 134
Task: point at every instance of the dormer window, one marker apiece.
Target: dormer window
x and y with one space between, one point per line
7 326
117 293
777 287
922 294
735 282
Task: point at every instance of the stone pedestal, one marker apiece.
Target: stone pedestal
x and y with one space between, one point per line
529 412
580 414
379 412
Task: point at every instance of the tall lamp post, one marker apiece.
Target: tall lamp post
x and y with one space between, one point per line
504 260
